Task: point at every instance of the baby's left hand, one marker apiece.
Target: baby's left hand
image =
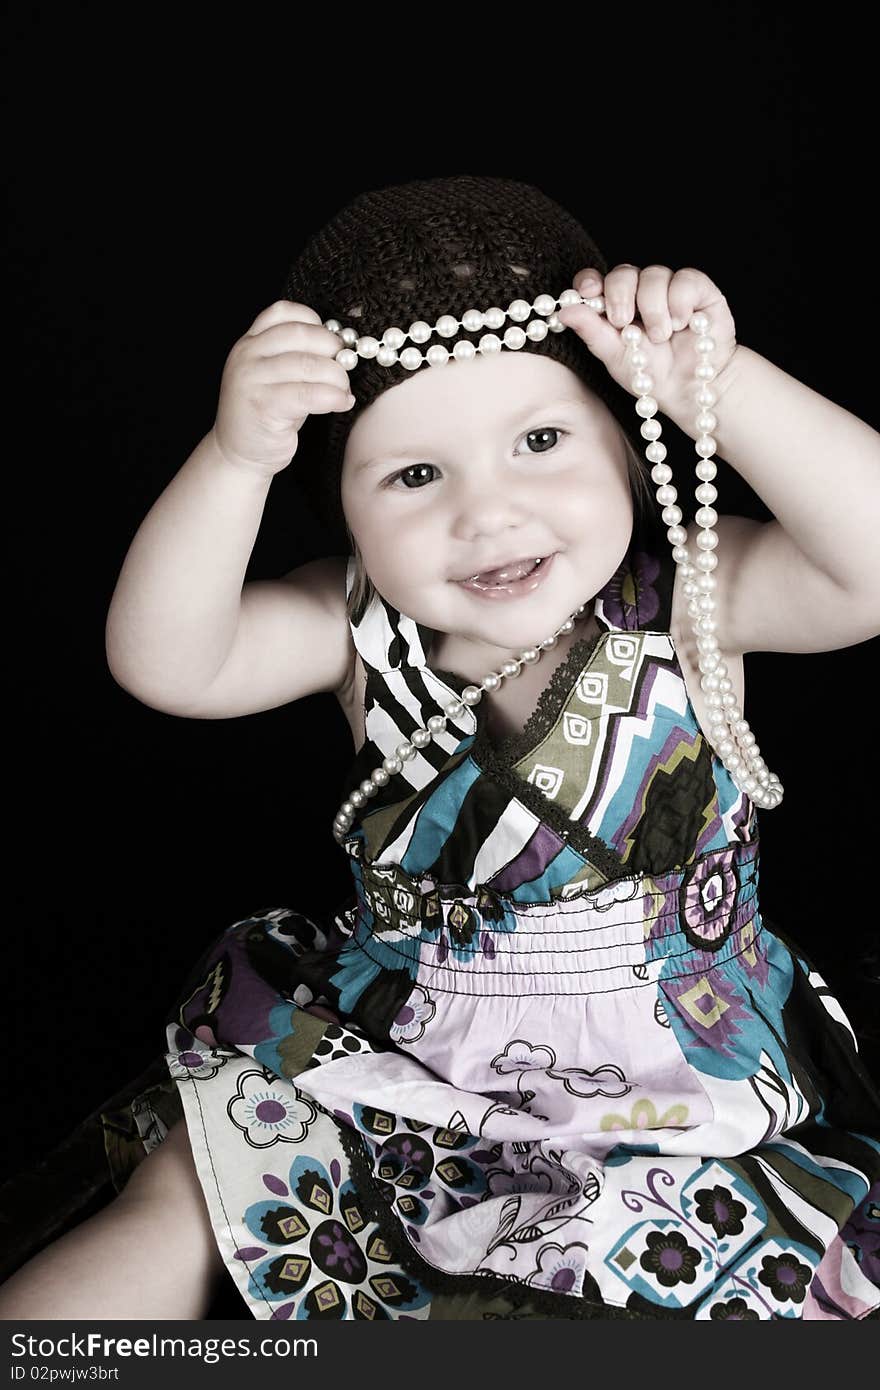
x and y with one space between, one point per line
662 301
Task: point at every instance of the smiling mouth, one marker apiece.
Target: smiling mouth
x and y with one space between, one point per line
505 574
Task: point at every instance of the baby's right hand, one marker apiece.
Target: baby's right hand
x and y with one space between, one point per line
282 370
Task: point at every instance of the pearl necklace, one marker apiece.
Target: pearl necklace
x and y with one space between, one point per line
729 733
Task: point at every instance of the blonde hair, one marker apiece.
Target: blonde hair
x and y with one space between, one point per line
363 592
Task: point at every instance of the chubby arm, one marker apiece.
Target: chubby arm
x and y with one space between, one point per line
809 580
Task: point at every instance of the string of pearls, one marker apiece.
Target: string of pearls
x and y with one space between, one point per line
729 733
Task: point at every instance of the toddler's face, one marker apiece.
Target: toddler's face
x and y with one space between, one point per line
480 462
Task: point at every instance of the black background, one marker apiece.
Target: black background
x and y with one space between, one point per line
160 183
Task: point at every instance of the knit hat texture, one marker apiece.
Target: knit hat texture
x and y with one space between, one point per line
415 251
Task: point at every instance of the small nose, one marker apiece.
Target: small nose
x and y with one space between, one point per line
486 504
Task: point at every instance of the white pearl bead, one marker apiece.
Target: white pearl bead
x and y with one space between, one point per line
446 325
706 516
705 371
679 554
510 668
699 322
529 655
569 297
347 359
490 682
419 332
411 358
369 787
349 336
706 560
490 343
392 765
726 682
537 330
405 751
666 495
464 351
706 540
632 333
368 347
646 405
672 515
677 535
454 710
472 695
437 723
567 626
706 421
333 324
420 738
438 355
643 382
705 493
347 808
380 777
394 337
706 583
358 798
706 470
544 305
494 317
386 356
705 345
661 472
549 643
514 338
472 320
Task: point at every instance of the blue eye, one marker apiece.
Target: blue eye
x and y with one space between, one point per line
415 468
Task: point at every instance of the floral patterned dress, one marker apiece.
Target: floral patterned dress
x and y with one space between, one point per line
550 1060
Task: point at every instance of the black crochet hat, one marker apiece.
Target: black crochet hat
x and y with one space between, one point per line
418 250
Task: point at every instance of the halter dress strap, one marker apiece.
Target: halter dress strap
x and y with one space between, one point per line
401 692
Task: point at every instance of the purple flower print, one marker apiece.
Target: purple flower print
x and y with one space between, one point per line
720 1210
707 901
409 1021
670 1259
785 1277
630 599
